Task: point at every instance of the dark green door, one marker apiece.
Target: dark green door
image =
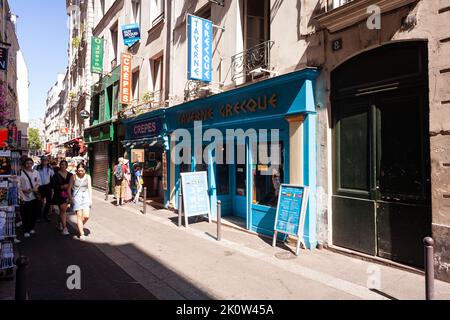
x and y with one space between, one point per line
381 199
381 203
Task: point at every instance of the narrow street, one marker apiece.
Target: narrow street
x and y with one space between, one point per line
50 256
126 252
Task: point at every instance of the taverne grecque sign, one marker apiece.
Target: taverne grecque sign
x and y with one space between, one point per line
247 106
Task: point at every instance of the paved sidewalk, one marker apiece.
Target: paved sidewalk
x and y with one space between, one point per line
188 263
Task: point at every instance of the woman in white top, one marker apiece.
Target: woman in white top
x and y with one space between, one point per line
30 181
81 197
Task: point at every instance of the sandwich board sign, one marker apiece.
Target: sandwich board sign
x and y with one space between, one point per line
291 210
195 195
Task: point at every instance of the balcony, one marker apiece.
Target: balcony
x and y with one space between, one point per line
257 57
150 101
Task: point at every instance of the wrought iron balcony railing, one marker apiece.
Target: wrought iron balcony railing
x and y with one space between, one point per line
251 59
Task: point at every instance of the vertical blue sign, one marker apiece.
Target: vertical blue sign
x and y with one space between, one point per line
199 49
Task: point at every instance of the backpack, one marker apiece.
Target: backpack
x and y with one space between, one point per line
118 172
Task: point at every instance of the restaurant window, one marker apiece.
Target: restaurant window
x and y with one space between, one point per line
267 179
241 172
185 167
223 175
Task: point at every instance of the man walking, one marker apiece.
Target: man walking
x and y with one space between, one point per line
30 181
46 173
120 170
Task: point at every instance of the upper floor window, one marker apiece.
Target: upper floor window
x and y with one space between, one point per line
257 22
156 11
114 45
333 4
136 7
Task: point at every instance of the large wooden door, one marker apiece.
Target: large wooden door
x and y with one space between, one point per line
381 200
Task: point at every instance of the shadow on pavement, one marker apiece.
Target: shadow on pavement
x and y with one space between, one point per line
101 278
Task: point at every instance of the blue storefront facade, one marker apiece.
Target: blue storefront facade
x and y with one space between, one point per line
147 136
245 123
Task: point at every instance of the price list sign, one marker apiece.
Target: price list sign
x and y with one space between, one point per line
195 195
291 210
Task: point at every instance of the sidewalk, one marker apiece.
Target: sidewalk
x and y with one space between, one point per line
188 263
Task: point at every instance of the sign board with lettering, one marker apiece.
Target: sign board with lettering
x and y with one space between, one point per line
97 55
195 195
164 171
146 129
199 49
291 210
4 59
125 79
131 34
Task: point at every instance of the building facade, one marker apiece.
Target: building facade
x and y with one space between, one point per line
14 82
56 132
357 91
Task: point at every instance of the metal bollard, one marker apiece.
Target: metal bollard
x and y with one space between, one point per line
219 220
429 268
180 209
145 200
107 190
21 278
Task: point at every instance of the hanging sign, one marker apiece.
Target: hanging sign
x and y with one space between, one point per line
97 55
164 171
131 34
199 49
3 59
291 210
125 79
85 115
195 195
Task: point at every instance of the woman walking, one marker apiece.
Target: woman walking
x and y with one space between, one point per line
30 181
138 183
61 187
81 197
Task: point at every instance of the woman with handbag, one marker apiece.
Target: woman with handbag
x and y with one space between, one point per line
81 197
61 187
30 181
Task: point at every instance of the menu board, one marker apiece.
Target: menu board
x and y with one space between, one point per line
195 194
291 210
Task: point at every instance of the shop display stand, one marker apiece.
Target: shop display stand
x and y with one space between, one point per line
9 206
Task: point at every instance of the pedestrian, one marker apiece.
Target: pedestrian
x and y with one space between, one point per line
46 172
81 197
61 188
30 181
138 183
128 193
120 182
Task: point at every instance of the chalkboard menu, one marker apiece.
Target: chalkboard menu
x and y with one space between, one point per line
195 195
291 210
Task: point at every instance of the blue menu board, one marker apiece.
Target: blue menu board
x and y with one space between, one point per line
291 210
195 194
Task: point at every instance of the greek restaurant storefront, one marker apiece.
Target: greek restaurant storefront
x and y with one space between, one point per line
147 146
249 141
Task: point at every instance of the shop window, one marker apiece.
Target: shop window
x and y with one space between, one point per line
223 175
266 180
241 173
184 167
